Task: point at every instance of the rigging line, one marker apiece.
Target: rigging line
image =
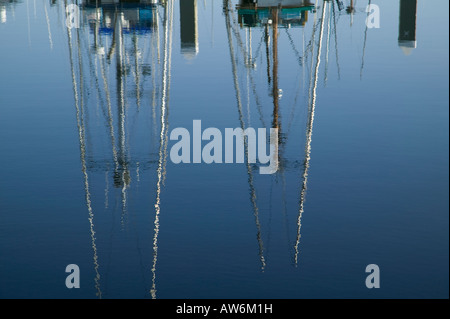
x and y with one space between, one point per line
303 54
137 70
204 16
169 72
248 65
106 188
48 26
110 117
120 72
269 223
13 11
275 89
113 44
153 73
212 24
257 100
84 89
258 50
252 81
158 44
267 40
311 41
312 64
138 84
83 166
94 74
292 115
309 139
258 103
139 251
28 21
239 40
239 104
244 53
327 46
291 41
285 214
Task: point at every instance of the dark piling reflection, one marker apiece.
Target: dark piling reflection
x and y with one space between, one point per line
121 65
189 28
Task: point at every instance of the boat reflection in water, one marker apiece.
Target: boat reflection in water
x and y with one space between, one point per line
121 55
260 13
128 61
136 16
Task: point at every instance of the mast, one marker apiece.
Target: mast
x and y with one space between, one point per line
309 130
28 22
275 89
82 145
124 178
335 42
267 42
48 27
328 44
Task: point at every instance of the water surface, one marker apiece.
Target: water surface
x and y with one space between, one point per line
87 178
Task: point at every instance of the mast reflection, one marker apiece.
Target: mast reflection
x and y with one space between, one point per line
407 26
271 17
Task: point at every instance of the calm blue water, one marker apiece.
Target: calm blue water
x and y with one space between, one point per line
87 177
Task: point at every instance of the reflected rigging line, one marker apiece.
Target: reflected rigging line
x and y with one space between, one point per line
48 27
81 136
161 162
309 138
120 74
291 41
252 60
249 170
169 72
